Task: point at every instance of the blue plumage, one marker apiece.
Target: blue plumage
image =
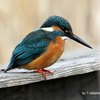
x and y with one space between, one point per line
35 43
31 47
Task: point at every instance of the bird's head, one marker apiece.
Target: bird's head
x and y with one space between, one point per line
64 26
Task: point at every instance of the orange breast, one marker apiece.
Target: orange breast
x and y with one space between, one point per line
50 56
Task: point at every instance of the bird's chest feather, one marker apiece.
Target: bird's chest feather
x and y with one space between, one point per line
50 56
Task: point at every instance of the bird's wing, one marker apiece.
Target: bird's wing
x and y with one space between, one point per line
31 47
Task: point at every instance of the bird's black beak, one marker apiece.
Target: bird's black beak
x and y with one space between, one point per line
79 40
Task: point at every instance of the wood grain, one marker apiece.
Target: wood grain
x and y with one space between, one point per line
63 68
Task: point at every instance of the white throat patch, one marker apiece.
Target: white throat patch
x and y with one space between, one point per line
64 37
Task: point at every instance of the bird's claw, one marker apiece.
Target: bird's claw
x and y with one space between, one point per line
43 72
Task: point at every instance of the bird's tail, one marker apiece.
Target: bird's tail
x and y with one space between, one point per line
8 67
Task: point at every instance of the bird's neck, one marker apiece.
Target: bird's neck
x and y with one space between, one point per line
50 29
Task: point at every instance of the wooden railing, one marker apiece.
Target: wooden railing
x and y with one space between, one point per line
63 68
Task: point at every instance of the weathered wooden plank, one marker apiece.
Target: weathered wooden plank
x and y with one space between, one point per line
76 87
63 68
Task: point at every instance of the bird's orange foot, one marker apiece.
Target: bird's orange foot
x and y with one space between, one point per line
43 72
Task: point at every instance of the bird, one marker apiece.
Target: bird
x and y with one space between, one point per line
43 47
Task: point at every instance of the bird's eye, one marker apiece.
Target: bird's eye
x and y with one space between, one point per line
66 31
63 28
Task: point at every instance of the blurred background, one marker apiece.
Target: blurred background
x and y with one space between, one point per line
19 17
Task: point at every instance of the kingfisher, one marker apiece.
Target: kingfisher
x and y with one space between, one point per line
44 46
